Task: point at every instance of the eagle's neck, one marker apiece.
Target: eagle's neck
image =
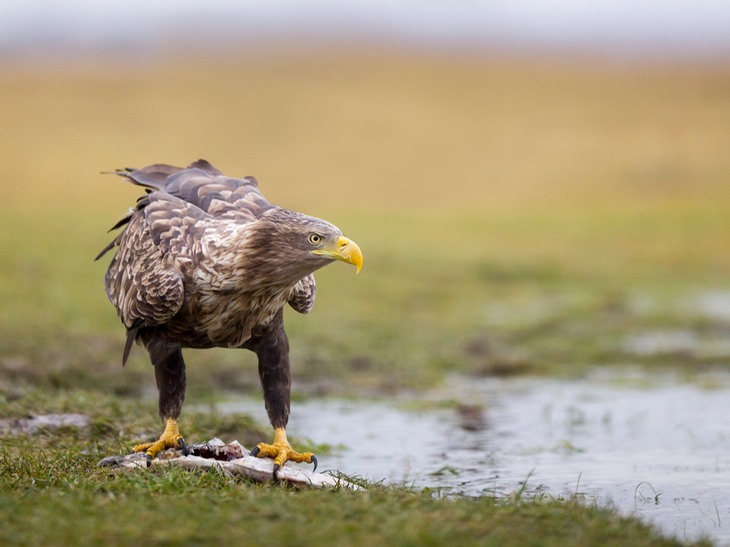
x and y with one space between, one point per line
237 259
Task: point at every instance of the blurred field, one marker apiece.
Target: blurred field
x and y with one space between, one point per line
515 215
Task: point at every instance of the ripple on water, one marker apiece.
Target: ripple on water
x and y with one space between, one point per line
661 452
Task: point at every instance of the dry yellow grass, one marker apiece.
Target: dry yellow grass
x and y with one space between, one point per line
472 185
380 132
550 159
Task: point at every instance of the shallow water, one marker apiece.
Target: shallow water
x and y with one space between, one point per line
655 447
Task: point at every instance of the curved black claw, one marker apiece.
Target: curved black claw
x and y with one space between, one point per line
149 460
185 449
314 461
255 451
276 469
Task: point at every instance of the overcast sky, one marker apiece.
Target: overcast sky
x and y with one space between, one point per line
659 26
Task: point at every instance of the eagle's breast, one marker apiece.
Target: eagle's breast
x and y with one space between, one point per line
223 303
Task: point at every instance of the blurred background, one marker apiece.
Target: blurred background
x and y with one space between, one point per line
537 187
540 190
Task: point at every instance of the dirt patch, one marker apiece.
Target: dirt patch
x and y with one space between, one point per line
44 422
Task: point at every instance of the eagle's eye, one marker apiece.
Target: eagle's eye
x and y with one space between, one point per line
315 239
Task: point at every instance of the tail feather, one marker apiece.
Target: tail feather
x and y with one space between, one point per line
152 177
106 249
131 337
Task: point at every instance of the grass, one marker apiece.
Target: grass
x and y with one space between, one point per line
156 511
516 216
52 492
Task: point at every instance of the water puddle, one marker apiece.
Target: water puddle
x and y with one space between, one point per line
654 447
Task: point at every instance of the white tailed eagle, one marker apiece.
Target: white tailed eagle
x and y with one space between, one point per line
206 261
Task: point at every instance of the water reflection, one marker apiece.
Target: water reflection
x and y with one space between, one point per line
651 446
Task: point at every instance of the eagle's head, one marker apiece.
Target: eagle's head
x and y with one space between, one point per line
292 245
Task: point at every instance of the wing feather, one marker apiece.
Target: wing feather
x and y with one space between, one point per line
204 186
223 197
301 297
174 225
152 177
200 185
145 287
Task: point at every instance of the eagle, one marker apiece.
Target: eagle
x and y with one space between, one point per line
203 261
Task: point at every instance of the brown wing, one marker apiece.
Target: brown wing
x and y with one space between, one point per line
175 226
301 297
144 286
204 186
201 185
144 280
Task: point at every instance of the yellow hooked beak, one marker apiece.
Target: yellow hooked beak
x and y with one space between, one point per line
344 250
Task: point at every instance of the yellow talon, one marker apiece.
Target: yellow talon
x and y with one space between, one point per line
170 438
282 452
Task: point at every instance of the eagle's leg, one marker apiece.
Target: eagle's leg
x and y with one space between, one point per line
170 376
272 350
282 451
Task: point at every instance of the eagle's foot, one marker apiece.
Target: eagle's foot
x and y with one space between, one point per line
170 438
282 452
